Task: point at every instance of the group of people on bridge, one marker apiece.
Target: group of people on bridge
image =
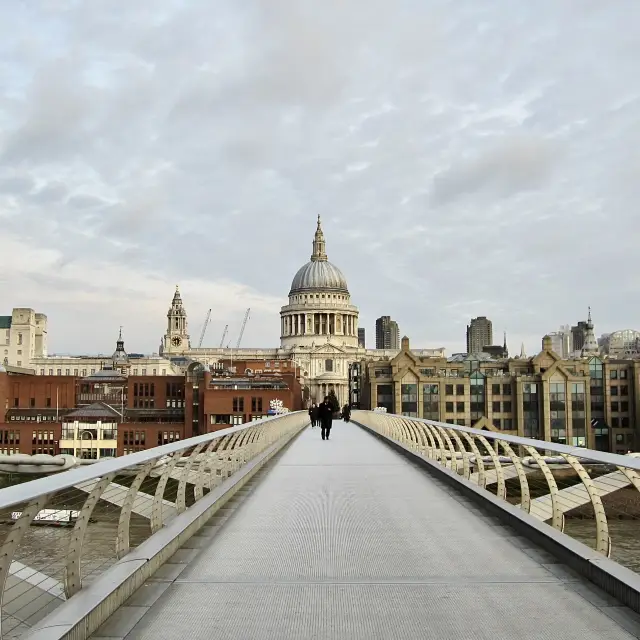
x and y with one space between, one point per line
322 416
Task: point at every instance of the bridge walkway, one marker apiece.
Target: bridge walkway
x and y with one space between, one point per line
345 539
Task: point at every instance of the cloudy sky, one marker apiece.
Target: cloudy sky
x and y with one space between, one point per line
469 157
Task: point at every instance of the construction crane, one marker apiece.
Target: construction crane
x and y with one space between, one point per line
204 328
244 324
224 335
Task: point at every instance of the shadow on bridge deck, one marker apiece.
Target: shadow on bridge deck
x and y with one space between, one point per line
346 539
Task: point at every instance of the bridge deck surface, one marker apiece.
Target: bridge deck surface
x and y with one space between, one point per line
346 539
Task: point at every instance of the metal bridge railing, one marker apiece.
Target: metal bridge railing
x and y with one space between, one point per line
62 531
590 495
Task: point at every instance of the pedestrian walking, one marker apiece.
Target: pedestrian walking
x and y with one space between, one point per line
313 415
325 415
346 413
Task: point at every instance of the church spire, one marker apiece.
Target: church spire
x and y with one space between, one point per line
523 355
319 251
590 343
505 350
120 355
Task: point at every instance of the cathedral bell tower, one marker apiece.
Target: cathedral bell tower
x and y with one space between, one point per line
176 339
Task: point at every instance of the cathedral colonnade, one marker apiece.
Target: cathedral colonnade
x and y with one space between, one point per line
319 323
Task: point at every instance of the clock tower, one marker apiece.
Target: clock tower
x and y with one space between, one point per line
176 339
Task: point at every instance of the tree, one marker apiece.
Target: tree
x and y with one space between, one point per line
333 401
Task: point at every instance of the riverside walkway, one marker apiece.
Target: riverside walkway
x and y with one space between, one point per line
347 539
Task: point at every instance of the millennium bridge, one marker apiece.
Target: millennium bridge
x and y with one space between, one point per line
396 527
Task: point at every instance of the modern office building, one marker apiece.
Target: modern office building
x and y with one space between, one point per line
479 334
387 333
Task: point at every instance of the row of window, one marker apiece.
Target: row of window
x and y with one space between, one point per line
256 404
85 372
134 438
145 389
10 436
42 437
614 374
166 437
33 418
144 403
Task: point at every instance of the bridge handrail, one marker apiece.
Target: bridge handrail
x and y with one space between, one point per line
458 448
602 457
165 486
20 493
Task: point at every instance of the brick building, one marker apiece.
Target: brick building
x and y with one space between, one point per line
111 412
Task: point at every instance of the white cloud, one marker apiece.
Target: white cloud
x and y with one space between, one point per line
481 152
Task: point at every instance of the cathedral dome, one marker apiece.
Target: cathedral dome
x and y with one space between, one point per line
319 274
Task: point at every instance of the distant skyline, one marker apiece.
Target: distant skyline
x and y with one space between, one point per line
467 158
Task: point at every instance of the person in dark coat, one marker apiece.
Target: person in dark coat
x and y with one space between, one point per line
346 413
313 415
325 415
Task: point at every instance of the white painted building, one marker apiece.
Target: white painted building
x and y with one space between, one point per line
23 337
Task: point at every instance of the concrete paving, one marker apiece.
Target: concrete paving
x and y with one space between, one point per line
345 539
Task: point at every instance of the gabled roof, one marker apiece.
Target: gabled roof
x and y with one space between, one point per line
95 410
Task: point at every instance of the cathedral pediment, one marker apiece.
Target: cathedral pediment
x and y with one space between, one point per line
328 349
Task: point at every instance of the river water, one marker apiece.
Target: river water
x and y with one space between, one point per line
625 539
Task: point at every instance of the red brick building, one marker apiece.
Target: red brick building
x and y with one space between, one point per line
41 413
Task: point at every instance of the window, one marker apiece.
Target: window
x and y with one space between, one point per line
614 390
624 390
615 406
385 396
328 365
448 407
624 406
409 399
32 402
495 389
557 410
506 389
50 372
58 372
41 372
67 372
613 374
623 374
19 338
459 407
431 401
48 402
238 404
624 422
497 423
448 389
16 402
256 405
495 407
507 424
459 389
506 407
615 422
